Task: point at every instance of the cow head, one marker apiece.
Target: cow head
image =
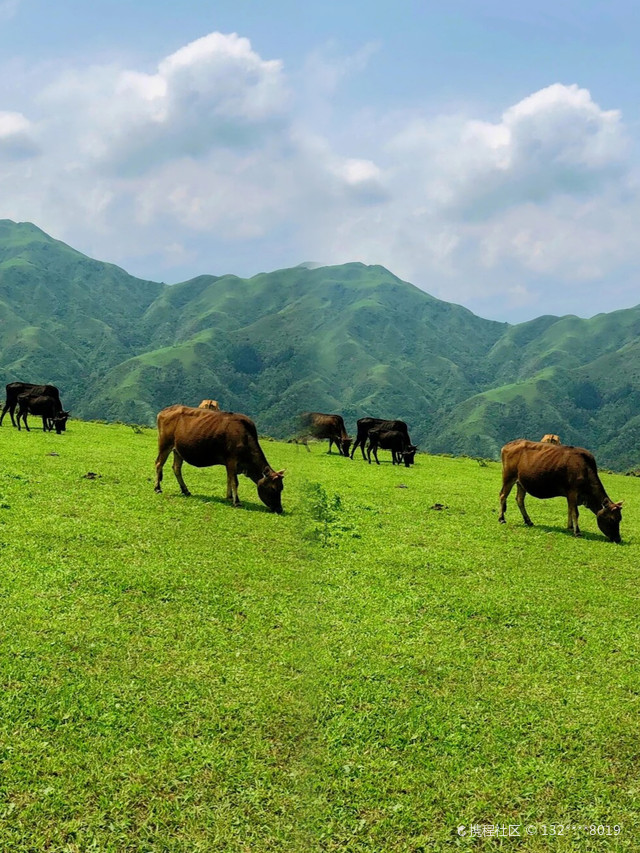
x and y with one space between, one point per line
345 444
60 421
608 519
270 489
409 455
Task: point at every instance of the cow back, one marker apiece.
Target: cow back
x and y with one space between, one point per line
205 437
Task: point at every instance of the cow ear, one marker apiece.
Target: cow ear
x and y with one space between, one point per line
280 474
266 472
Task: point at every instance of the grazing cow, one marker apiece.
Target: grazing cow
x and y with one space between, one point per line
332 427
210 404
393 440
202 438
42 406
550 471
366 424
549 438
15 389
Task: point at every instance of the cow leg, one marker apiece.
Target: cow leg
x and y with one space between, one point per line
12 413
369 453
45 425
4 412
572 523
330 445
177 470
360 444
507 485
375 453
163 454
520 496
232 483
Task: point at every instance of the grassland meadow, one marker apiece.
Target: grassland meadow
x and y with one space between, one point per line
374 669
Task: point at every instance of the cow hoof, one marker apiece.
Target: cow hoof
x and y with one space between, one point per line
158 490
502 520
186 493
529 523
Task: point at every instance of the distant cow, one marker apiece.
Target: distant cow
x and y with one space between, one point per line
210 404
393 440
550 471
366 424
332 427
42 406
15 389
202 438
549 438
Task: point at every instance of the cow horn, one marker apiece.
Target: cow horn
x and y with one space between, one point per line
279 474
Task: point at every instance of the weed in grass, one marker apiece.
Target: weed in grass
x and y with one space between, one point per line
328 511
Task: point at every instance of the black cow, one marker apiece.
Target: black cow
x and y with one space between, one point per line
366 424
393 440
44 407
15 389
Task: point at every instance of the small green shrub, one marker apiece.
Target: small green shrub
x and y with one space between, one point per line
328 511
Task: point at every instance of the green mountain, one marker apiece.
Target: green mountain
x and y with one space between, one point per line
352 338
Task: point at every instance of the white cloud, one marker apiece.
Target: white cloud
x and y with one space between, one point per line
214 162
215 92
556 141
16 136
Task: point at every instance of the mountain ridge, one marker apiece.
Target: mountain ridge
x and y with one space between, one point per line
350 338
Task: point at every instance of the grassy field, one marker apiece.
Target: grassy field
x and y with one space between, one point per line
363 673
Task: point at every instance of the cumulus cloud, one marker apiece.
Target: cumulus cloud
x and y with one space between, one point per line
215 92
214 161
16 136
556 141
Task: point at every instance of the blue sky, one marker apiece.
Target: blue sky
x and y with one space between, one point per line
485 151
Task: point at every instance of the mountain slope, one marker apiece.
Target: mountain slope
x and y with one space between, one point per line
351 338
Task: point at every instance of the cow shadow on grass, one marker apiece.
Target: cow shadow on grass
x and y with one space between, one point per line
245 505
584 534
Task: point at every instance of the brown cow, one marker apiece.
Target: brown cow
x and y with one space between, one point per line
210 404
202 438
549 438
551 471
332 427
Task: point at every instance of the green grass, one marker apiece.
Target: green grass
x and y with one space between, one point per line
361 674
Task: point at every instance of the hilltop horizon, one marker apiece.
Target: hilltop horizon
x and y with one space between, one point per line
315 265
349 338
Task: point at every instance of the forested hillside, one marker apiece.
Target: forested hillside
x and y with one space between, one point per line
352 338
